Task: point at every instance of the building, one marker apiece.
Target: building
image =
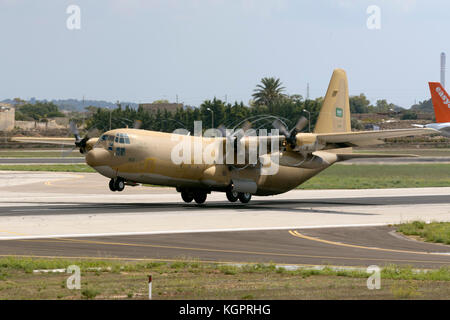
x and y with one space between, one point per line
7 117
154 107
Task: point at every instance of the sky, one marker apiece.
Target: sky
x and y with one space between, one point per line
144 50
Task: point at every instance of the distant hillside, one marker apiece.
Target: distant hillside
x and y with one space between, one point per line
78 105
423 106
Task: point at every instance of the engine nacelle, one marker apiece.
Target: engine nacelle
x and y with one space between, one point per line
299 160
307 142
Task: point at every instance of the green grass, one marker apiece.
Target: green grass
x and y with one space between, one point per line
368 176
438 232
434 152
47 167
186 279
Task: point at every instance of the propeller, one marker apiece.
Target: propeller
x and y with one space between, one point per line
290 135
79 142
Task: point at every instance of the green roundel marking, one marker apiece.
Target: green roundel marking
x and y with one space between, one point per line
339 112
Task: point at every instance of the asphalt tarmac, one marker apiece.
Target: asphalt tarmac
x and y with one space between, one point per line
76 216
354 246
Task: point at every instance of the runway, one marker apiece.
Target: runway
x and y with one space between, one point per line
330 246
75 215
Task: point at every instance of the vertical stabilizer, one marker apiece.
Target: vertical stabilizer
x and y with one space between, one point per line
441 102
335 113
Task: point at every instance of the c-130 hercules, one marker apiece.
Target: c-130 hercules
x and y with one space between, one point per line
133 156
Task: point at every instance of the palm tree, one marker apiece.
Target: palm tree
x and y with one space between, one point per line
268 91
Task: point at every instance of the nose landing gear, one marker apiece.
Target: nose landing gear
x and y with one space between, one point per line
117 184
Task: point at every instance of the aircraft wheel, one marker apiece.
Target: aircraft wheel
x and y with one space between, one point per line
119 184
187 196
200 197
111 185
232 196
245 197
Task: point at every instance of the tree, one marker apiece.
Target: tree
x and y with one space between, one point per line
359 104
423 106
38 111
409 115
268 92
383 106
161 101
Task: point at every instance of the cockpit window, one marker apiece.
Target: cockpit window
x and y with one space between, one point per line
122 138
109 141
105 141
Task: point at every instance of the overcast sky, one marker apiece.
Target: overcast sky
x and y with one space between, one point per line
143 50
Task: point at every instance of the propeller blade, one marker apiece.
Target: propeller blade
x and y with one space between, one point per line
92 132
222 130
301 124
277 124
74 130
66 153
246 126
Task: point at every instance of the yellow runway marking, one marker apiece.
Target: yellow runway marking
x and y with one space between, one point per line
228 251
302 236
49 183
12 232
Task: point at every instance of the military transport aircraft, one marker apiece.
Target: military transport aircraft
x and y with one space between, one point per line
133 156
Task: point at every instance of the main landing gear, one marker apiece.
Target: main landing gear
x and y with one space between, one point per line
198 195
243 197
117 184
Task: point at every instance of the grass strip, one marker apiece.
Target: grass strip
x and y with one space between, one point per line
437 232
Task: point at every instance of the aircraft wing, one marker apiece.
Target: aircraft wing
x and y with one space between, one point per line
58 141
364 138
445 129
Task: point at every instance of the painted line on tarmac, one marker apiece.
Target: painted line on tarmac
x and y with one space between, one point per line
302 236
75 176
259 253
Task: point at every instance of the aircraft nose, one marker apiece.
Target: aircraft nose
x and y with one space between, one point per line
97 157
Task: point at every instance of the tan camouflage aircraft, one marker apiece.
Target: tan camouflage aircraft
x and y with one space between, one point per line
132 156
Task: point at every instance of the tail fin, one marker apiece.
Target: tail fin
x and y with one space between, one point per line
441 102
335 113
